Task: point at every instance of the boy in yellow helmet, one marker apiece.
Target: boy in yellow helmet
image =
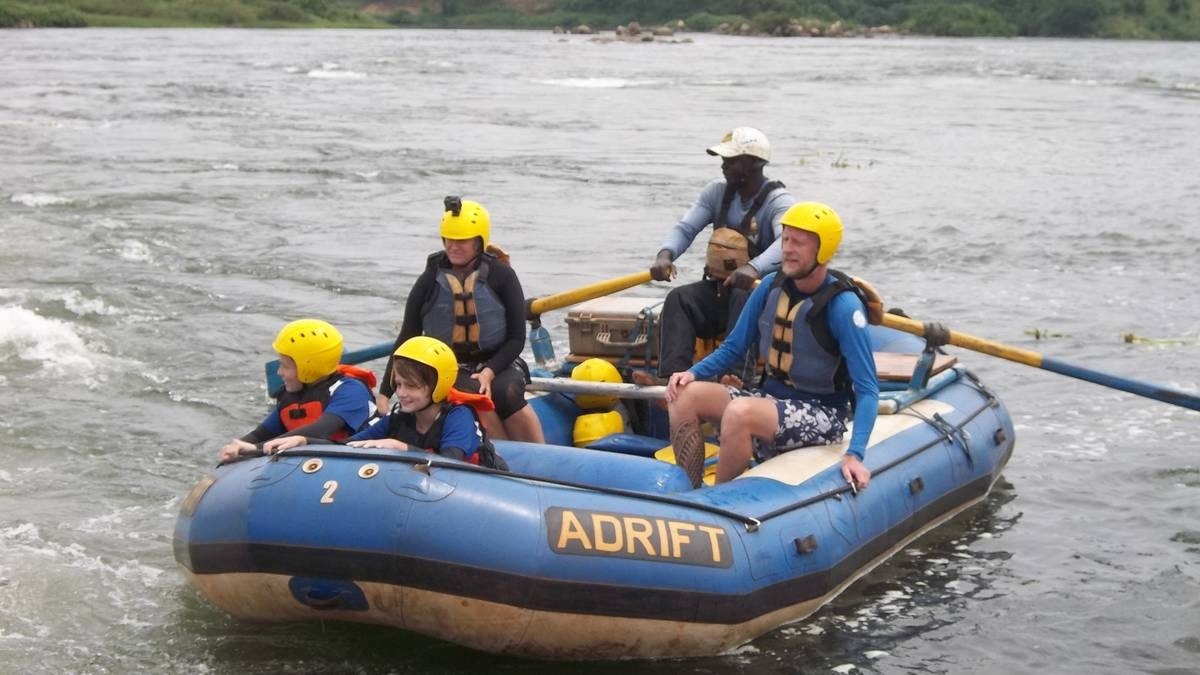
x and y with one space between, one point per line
811 324
320 397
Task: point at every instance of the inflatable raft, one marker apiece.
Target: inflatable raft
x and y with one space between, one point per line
586 553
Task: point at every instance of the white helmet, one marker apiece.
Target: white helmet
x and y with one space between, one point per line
743 141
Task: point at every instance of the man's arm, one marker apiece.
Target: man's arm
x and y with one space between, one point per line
848 324
701 215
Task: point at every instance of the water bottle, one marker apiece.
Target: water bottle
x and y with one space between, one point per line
543 349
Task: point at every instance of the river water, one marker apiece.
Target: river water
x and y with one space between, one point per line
168 198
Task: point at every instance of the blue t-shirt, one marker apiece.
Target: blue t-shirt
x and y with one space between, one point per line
704 212
460 431
350 400
847 321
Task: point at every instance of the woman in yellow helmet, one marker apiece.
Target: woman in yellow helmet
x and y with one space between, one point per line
320 398
473 302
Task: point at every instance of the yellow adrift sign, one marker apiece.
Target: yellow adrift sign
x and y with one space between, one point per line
623 535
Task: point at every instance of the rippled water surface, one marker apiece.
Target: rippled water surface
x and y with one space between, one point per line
169 198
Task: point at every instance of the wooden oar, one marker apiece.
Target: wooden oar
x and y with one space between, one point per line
1030 358
539 306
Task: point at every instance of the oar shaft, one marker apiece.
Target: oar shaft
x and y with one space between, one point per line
594 290
1147 389
967 341
564 385
1030 358
618 389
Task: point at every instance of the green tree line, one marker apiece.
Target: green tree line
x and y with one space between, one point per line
1144 19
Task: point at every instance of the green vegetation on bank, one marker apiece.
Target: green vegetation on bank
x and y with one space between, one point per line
1145 19
187 13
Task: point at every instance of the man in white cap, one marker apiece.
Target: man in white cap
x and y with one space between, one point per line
744 209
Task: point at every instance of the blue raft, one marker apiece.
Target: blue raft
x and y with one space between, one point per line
584 553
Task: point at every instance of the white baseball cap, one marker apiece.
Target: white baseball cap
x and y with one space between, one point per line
743 141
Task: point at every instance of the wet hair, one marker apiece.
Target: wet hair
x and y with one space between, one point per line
414 371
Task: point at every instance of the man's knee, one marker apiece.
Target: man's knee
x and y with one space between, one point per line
750 415
699 399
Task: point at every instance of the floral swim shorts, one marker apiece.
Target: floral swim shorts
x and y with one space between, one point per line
801 423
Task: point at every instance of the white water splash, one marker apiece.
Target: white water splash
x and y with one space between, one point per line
53 343
333 71
599 82
135 251
39 199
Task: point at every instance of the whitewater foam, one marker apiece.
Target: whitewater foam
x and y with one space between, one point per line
39 199
53 343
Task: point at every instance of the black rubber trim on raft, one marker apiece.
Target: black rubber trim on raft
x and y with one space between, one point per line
563 596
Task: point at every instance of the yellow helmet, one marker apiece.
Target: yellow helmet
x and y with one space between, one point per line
465 219
595 370
435 354
592 427
821 221
314 345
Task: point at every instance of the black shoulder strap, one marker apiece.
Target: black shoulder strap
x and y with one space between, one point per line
820 301
758 202
726 200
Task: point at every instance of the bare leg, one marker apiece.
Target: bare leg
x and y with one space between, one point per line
744 419
698 401
493 426
524 425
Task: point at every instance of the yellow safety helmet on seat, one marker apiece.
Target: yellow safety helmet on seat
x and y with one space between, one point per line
591 427
595 370
435 354
314 345
465 219
821 221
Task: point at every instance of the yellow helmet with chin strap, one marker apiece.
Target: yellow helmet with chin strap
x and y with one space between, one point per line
314 345
595 370
465 219
434 353
820 220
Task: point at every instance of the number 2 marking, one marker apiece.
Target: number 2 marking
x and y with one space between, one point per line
330 488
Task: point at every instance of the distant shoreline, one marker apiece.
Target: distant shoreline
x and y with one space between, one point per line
936 18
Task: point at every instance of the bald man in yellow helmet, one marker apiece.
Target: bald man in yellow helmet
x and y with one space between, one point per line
810 322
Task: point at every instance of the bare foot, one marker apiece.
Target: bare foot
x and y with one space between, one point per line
732 381
645 379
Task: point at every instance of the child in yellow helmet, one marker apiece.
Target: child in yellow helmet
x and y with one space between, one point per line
427 413
319 397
